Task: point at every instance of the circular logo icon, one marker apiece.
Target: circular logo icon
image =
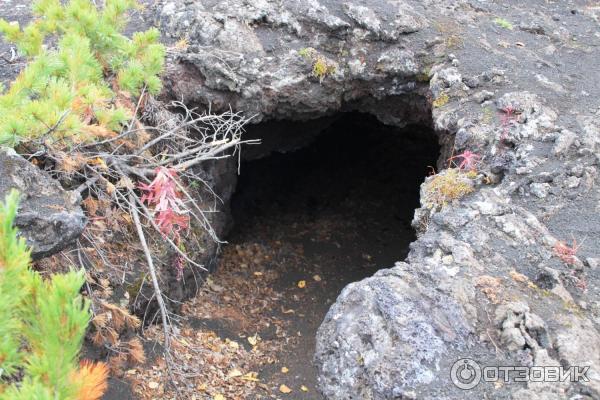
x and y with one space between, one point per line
465 373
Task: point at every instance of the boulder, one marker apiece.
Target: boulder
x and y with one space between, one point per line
387 336
49 218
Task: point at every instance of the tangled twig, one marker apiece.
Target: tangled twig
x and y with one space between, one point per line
158 293
117 171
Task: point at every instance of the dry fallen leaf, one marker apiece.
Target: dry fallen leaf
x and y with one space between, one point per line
110 188
304 388
251 377
317 278
253 340
153 385
99 162
302 284
284 370
490 286
218 396
126 182
284 389
234 373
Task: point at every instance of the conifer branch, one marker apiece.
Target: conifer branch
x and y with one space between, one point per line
83 108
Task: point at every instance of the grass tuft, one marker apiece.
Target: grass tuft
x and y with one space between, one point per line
446 187
503 23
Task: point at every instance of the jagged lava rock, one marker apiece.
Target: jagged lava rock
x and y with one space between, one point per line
49 218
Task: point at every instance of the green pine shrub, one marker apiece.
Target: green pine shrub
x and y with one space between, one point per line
43 326
70 92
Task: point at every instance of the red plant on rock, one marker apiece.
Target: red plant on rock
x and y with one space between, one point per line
565 252
469 160
164 195
509 115
581 284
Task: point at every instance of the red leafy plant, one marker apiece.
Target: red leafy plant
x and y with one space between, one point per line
581 284
565 252
164 196
509 115
170 214
469 160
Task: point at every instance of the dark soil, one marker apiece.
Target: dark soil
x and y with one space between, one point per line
343 207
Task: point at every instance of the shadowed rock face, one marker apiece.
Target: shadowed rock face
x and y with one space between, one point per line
48 217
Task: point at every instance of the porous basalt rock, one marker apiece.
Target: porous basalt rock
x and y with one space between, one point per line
49 218
269 73
389 328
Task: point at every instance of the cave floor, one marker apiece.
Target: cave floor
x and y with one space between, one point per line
307 224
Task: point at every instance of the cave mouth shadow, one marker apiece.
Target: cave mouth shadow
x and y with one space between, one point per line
355 169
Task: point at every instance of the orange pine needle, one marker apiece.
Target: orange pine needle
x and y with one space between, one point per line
92 377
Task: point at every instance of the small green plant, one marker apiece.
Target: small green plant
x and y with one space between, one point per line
503 23
43 325
321 67
75 91
423 76
307 52
441 100
445 187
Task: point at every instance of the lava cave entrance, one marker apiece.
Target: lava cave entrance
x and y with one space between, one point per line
348 196
330 213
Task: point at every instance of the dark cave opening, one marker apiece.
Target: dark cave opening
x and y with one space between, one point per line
332 209
356 169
